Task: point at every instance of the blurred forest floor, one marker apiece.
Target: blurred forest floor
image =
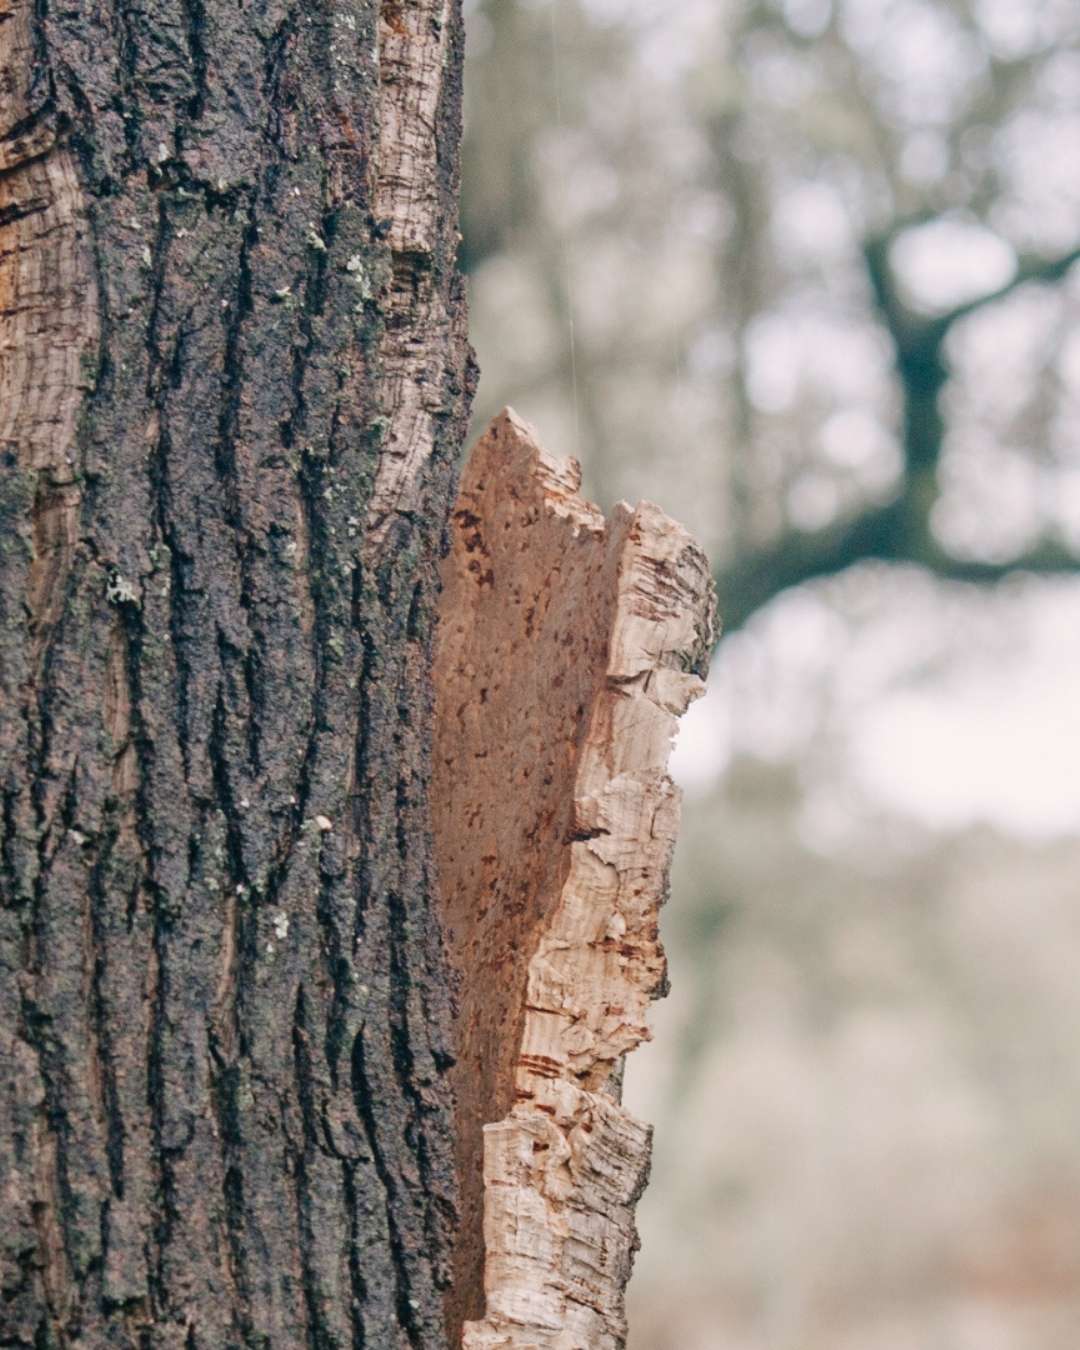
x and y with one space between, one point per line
865 1088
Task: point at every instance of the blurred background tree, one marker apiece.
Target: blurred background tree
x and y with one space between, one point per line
805 272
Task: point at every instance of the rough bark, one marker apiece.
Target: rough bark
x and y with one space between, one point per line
233 382
567 648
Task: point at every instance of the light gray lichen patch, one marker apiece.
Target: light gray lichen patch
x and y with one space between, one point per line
120 591
360 277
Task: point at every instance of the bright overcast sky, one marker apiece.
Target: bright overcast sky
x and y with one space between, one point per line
990 734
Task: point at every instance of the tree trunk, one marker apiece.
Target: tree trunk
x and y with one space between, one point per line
233 383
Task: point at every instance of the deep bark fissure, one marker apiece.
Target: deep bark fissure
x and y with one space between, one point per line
363 1096
99 955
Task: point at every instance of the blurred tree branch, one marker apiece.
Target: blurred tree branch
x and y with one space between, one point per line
900 530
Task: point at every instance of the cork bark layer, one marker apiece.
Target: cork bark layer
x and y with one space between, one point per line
233 385
568 647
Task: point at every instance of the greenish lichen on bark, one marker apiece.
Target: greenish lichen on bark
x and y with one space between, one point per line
222 997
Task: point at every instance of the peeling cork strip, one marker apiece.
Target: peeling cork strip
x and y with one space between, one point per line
568 648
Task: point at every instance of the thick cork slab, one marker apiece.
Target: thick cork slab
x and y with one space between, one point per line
568 648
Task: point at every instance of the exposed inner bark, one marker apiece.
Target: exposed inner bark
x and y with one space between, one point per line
567 648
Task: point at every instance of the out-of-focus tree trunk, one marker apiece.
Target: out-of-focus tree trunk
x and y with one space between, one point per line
233 383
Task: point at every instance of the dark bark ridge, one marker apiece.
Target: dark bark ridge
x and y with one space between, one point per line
225 1120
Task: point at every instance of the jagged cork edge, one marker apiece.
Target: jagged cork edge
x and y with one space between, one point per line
563 1171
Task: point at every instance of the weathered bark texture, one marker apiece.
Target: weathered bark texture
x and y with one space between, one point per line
567 649
233 384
